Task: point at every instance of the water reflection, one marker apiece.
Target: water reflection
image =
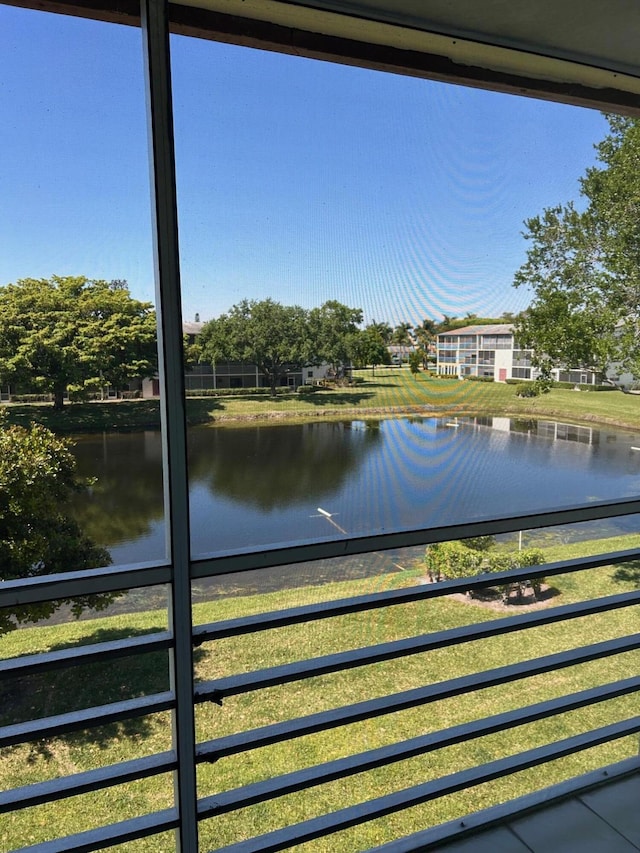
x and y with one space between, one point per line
259 486
127 501
277 467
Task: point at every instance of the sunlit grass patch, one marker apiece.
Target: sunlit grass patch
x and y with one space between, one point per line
74 753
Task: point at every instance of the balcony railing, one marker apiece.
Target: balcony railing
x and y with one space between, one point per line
521 672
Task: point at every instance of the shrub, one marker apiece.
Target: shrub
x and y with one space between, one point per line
528 389
480 543
450 560
31 398
480 378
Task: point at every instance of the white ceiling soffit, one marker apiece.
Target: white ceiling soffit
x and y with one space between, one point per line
590 45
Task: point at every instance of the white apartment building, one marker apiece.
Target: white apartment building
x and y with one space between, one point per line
491 351
488 350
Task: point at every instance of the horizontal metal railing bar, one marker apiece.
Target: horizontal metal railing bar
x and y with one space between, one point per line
34 590
363 812
435 837
341 768
110 835
325 548
79 655
357 604
87 718
88 781
217 748
367 655
116 578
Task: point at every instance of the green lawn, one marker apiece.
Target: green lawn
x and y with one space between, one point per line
388 391
68 689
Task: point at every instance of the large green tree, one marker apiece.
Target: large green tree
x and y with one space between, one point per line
272 336
74 334
37 535
583 265
331 330
367 347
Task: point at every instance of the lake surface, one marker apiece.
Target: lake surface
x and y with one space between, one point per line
262 486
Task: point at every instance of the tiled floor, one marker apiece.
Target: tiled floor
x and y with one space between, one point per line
603 820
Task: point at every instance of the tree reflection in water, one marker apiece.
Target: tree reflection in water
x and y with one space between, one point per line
277 467
127 494
261 468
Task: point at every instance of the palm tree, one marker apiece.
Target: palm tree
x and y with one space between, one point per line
424 335
446 323
383 330
401 335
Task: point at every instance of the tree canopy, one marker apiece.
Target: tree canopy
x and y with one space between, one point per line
382 330
331 329
272 336
73 334
369 348
279 338
37 536
583 265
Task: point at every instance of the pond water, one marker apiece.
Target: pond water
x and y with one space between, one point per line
262 486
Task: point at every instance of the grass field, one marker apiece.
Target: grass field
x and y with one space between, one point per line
389 391
65 690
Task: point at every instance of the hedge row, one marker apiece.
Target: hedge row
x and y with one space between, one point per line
584 386
48 398
233 392
249 392
569 386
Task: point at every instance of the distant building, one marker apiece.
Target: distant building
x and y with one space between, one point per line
491 351
487 350
205 376
400 352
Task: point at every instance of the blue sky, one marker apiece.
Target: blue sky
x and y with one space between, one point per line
298 180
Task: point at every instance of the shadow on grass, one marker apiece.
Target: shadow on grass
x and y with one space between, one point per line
494 597
337 398
120 415
78 687
628 573
199 409
319 398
